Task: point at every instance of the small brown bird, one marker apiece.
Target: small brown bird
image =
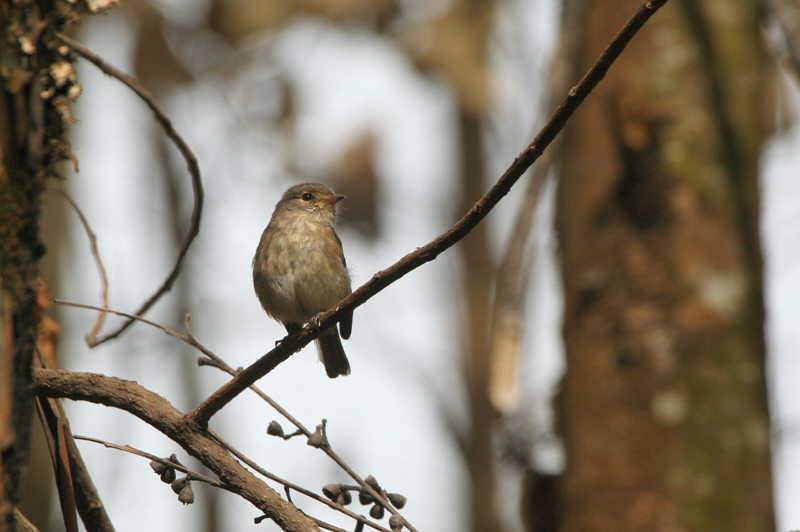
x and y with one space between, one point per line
299 268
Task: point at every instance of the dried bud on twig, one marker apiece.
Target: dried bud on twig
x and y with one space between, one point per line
318 439
344 498
168 475
275 429
186 496
376 511
397 500
370 480
395 523
174 459
158 467
178 484
364 497
332 491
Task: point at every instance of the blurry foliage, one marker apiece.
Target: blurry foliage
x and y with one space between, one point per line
155 64
453 45
355 175
237 20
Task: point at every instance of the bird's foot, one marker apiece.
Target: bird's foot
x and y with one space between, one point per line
315 320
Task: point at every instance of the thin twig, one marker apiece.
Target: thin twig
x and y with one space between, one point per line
253 465
576 95
191 163
91 336
190 475
86 306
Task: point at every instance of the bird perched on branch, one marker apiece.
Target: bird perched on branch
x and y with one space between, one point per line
299 269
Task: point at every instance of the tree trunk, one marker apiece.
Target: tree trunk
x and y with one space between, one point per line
37 84
663 408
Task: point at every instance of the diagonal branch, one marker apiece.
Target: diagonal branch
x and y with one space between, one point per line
576 95
160 414
191 163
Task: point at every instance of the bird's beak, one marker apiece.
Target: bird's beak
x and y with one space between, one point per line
333 200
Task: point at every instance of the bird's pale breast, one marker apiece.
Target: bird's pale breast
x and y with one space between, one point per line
298 269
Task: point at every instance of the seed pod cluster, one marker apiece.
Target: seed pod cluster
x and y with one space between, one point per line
182 486
341 494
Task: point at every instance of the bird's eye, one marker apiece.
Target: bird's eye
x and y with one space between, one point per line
308 196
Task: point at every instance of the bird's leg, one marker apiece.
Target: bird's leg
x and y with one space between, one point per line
291 328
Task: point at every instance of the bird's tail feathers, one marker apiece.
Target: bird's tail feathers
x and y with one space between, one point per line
332 354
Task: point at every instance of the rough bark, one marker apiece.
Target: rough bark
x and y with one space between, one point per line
37 83
663 407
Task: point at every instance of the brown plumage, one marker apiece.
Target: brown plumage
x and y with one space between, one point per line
299 269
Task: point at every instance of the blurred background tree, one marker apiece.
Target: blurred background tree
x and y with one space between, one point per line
664 405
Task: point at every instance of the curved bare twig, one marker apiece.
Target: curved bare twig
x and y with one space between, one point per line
91 336
191 163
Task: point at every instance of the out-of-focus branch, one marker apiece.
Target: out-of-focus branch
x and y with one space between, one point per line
787 15
514 273
191 163
160 414
23 524
512 279
430 251
90 506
